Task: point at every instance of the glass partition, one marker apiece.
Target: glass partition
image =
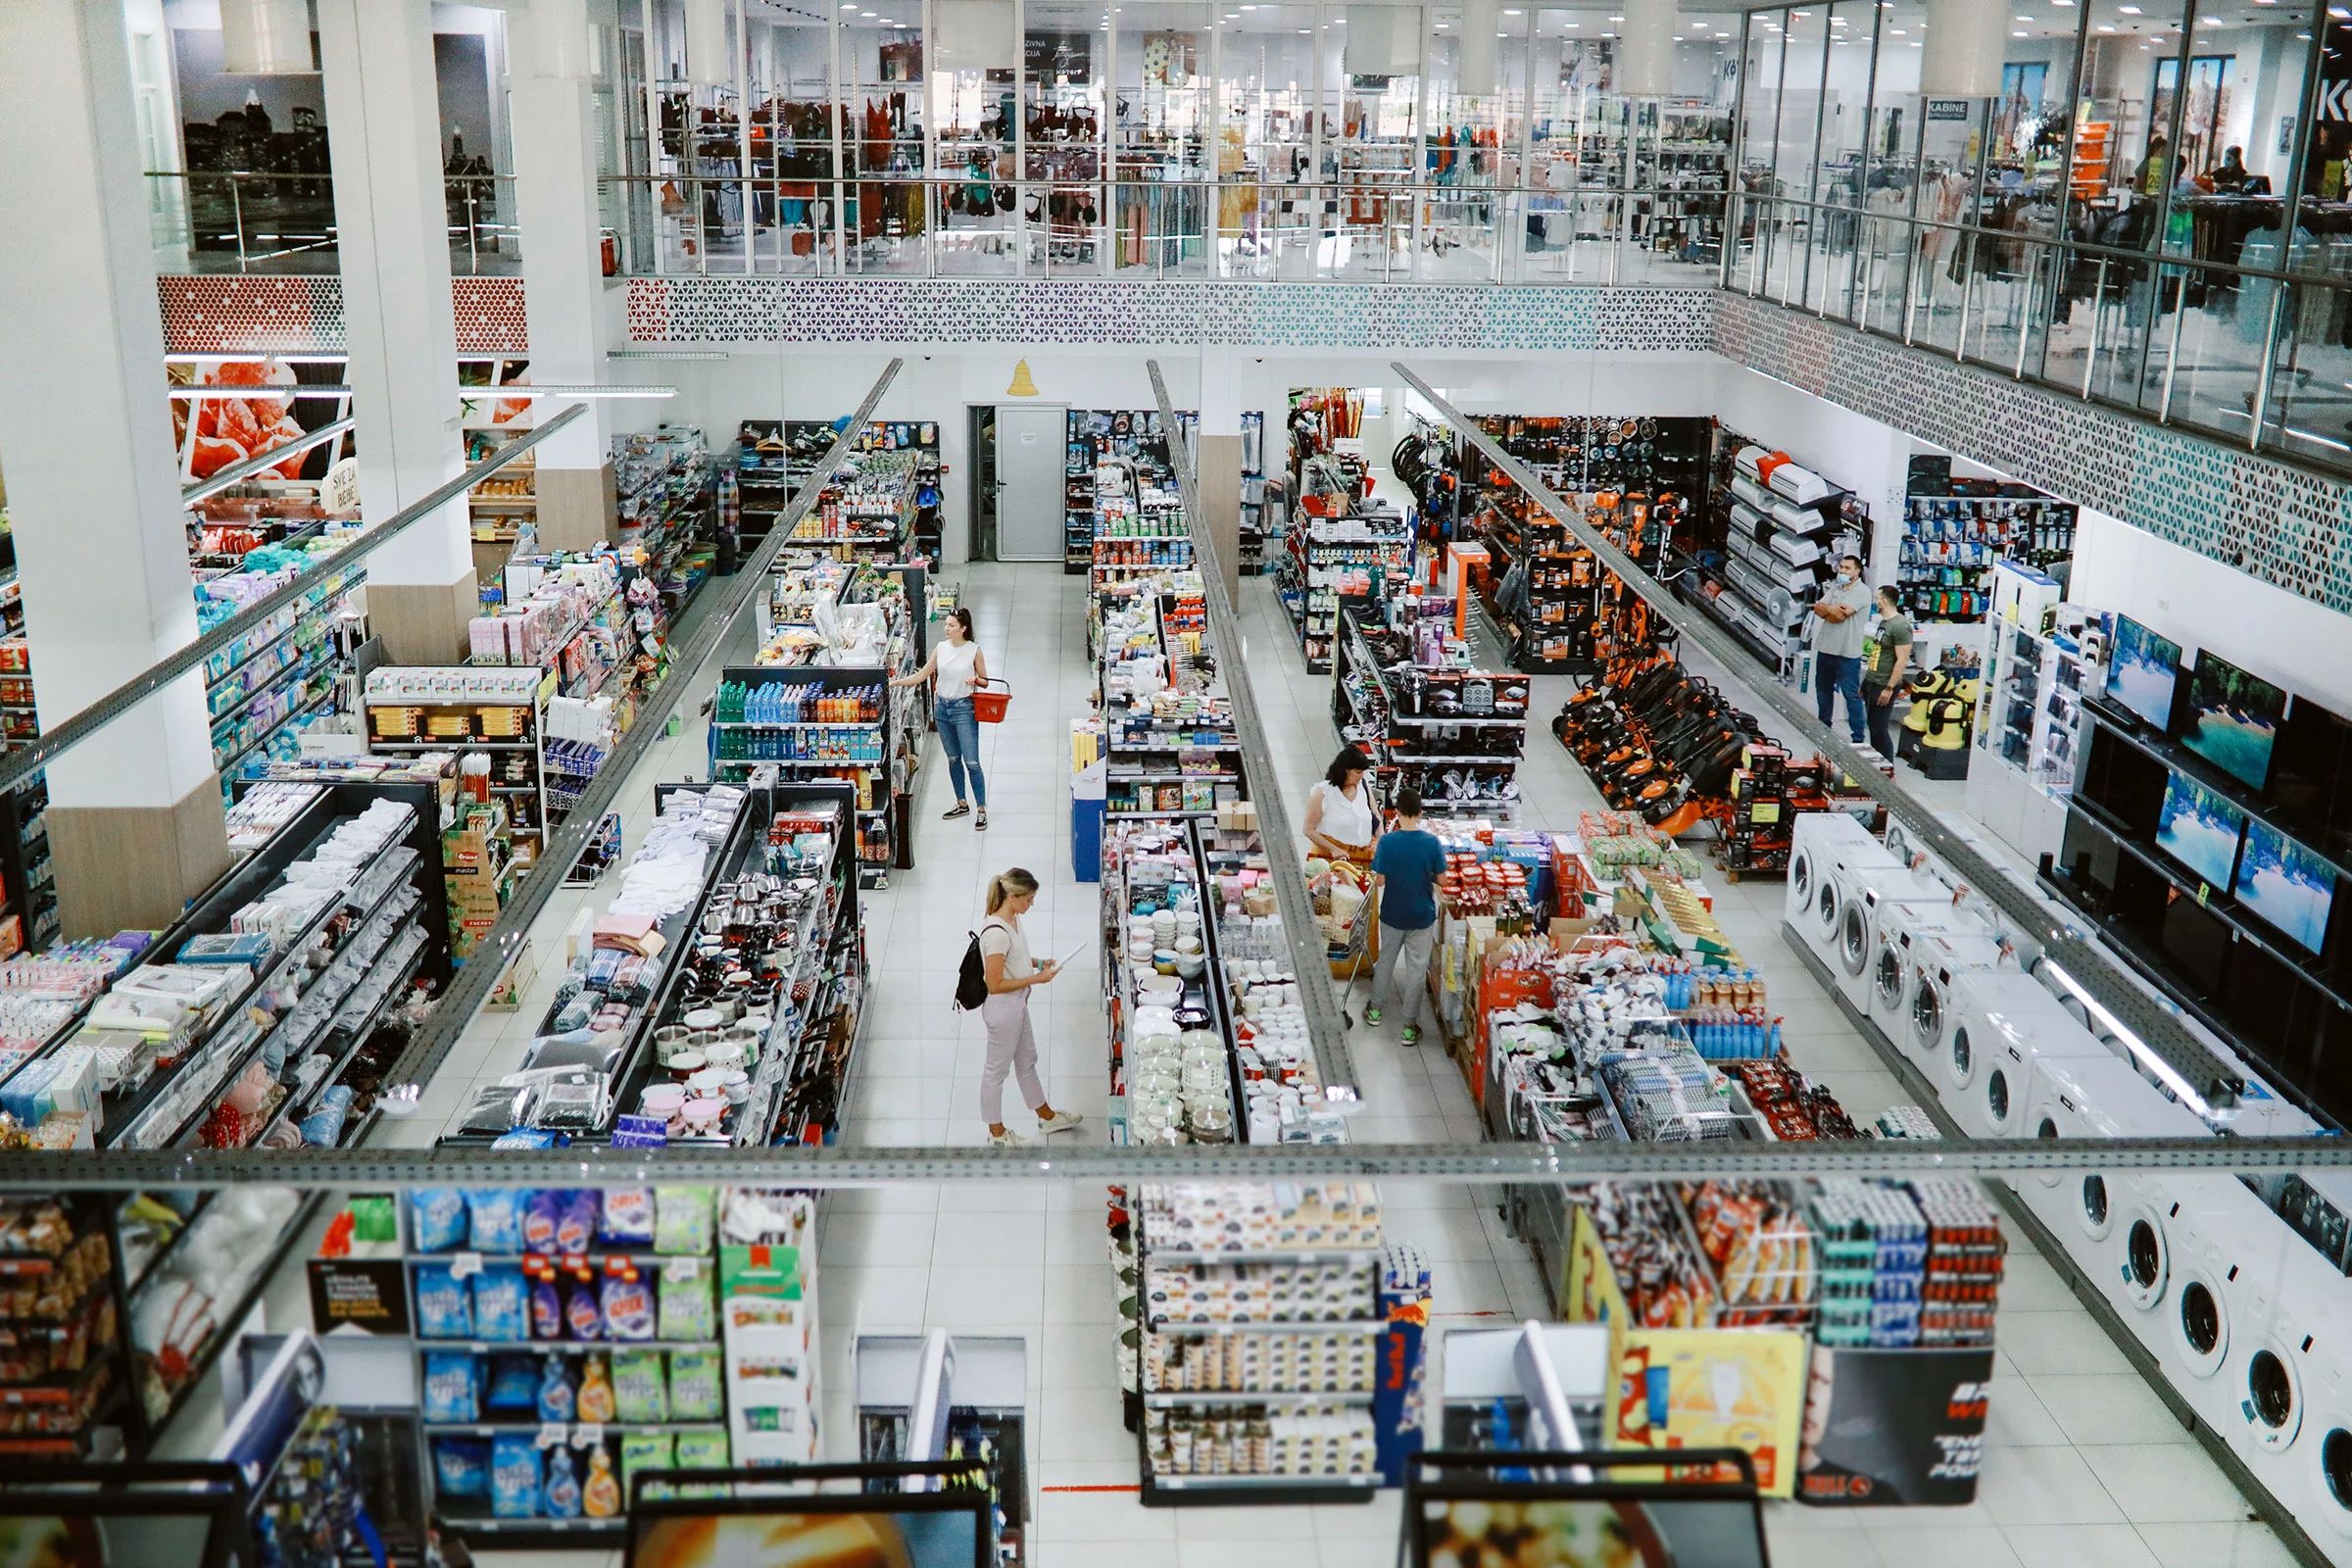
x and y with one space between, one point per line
794 162
1373 58
1804 45
975 205
1267 154
1163 160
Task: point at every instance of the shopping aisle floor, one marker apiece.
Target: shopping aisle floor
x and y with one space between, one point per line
2086 1466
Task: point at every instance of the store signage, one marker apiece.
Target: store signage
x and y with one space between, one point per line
1960 109
341 492
1889 1428
367 1294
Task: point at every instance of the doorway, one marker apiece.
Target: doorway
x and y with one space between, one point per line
1031 448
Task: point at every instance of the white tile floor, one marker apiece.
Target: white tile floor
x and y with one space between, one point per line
2084 1466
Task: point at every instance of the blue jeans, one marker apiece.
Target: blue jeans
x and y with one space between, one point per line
1835 673
959 737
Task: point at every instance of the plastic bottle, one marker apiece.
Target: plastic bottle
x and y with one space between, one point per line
602 1495
596 1391
562 1494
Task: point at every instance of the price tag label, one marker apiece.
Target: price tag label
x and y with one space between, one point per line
588 1434
553 1434
465 1266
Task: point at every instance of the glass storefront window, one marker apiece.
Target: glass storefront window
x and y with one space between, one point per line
1265 155
793 168
1840 168
1804 48
1478 80
883 140
975 208
1575 144
1066 62
1372 129
1160 153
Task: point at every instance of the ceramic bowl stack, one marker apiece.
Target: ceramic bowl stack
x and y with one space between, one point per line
1277 1060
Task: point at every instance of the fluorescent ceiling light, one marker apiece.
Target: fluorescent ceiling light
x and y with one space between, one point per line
2140 1053
666 354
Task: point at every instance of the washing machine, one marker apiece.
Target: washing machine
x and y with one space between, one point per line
1863 919
1826 866
1900 929
1989 1104
2226 1244
2135 1234
2291 1392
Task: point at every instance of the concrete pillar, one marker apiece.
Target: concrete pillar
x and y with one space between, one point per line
1219 479
553 131
86 448
383 134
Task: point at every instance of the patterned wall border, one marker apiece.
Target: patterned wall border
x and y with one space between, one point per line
2273 522
1119 313
206 314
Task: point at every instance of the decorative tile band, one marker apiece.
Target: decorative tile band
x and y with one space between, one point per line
2273 522
244 312
1117 311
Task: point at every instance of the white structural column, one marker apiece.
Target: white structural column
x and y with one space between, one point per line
134 820
551 110
1219 475
383 136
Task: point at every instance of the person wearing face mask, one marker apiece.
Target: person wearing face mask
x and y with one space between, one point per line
1838 619
1884 668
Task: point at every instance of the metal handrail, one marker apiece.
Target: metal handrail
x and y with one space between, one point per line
468 187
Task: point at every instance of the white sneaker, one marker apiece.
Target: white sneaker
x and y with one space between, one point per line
1008 1139
1061 1121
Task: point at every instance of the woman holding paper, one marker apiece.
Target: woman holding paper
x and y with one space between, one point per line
1012 1043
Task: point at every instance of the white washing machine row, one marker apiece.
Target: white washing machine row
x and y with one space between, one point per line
1833 859
1997 1024
1864 924
2293 1393
1903 933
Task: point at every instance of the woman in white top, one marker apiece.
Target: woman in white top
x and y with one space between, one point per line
958 666
1012 1043
1340 820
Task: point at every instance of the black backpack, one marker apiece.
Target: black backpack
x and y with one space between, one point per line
971 980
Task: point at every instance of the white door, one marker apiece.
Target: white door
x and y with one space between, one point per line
1031 443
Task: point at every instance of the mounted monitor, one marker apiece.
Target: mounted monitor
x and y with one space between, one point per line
2200 829
2287 886
2143 672
2232 719
1573 1510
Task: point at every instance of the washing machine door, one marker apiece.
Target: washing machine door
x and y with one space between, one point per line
1854 939
2332 1485
2201 1323
1960 1059
1829 904
2002 1094
1927 1016
2094 1206
2146 1257
1886 980
1801 879
2045 1125
2270 1395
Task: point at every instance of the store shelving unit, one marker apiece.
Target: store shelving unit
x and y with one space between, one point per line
1777 556
872 506
1954 532
863 752
1385 707
665 512
278 675
500 711
1335 559
67 1372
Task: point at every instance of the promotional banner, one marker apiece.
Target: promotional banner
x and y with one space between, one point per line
1716 1389
1888 1428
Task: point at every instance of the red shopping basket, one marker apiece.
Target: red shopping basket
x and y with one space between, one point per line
988 707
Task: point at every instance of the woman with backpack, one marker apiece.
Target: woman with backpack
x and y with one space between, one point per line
1007 972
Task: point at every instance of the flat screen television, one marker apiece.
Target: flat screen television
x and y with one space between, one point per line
1576 1514
877 1530
2311 770
2200 829
2232 719
2143 670
2287 886
2197 941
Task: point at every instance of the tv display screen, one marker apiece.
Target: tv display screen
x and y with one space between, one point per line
1590 1532
2311 770
2233 719
2198 828
2290 888
2142 672
839 1531
2197 941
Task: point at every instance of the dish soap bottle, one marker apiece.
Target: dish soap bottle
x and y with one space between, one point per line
596 1391
604 1489
562 1494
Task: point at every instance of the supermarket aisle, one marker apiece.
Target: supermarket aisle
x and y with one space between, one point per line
2084 1464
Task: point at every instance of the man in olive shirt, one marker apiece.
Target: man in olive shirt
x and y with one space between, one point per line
1837 624
1886 660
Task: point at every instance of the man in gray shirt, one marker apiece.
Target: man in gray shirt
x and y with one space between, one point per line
1839 618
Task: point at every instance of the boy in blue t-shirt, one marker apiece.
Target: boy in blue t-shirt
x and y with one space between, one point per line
1405 867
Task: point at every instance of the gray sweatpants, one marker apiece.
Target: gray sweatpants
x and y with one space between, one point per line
1403 971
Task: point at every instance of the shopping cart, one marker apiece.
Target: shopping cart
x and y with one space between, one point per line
1351 952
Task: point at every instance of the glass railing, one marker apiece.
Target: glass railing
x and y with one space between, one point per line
241 222
2258 355
1367 229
